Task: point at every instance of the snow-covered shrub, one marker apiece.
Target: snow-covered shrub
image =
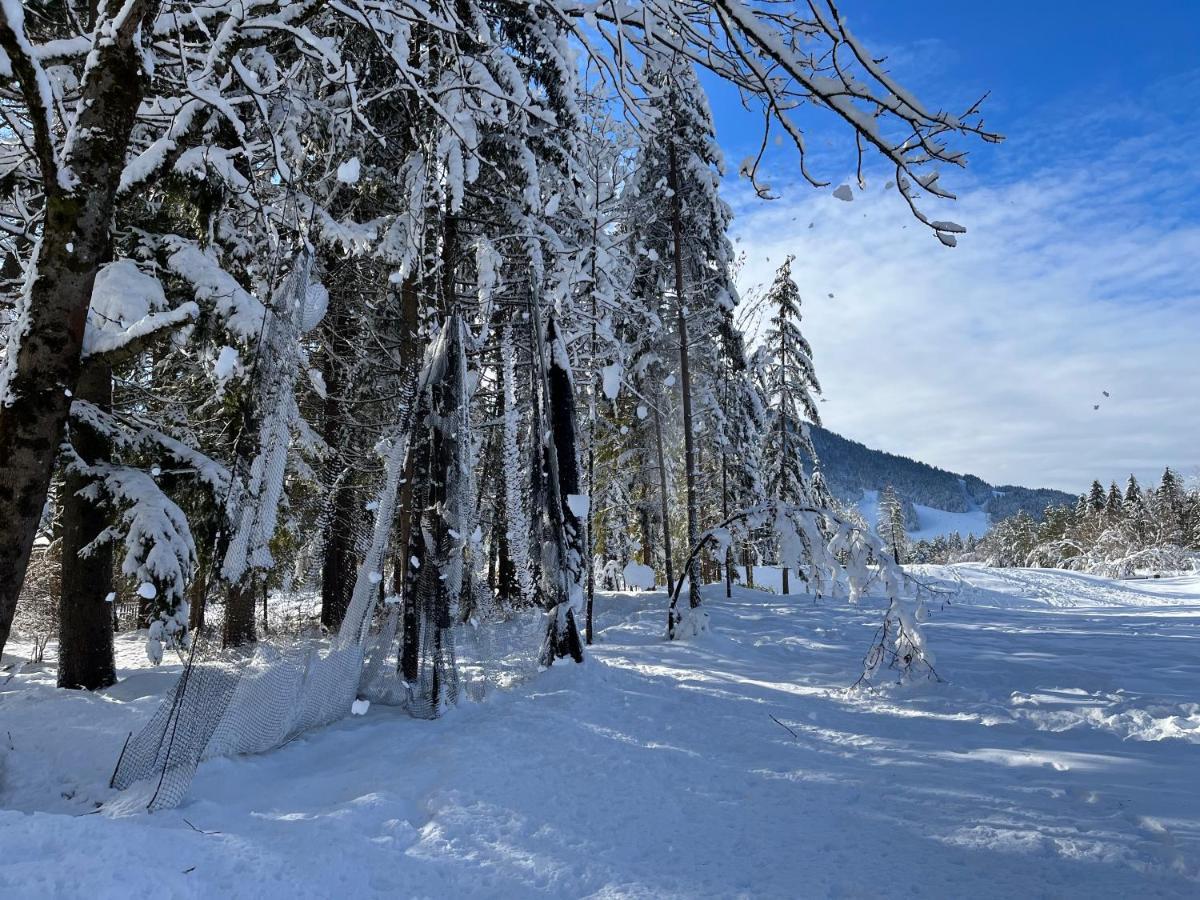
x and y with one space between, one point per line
853 555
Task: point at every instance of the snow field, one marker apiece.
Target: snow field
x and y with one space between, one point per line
1059 759
931 522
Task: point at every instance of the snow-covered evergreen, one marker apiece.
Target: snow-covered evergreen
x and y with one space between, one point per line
1105 532
412 318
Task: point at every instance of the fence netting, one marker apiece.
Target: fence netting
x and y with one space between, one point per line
448 641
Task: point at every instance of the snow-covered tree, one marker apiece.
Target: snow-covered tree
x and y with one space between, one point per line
790 384
413 160
1128 533
891 526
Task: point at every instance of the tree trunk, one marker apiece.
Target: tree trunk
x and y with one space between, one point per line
198 597
337 564
418 494
562 639
416 556
589 550
337 568
662 500
725 515
265 622
644 520
74 242
239 612
685 378
502 573
85 621
239 627
412 352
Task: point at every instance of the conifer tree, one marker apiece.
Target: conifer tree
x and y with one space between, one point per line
1168 505
891 525
1133 492
1113 506
684 257
790 385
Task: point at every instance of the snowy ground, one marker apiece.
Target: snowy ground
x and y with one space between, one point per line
931 521
1060 759
934 523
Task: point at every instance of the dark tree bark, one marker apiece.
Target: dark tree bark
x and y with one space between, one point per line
412 355
239 625
563 464
644 519
85 620
506 583
198 596
664 511
538 478
436 454
413 554
685 378
725 515
75 241
423 484
337 564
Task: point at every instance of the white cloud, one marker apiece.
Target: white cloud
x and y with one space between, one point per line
989 358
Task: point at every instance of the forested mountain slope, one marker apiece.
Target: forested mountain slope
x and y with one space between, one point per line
852 468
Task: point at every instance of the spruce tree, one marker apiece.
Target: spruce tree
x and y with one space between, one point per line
891 525
1114 505
791 382
1168 508
678 237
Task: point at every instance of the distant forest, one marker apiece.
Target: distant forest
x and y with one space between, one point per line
851 468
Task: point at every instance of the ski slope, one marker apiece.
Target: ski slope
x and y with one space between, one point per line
931 521
1058 759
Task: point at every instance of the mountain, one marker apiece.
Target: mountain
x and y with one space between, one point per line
936 501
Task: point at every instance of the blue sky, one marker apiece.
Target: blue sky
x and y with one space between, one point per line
1080 271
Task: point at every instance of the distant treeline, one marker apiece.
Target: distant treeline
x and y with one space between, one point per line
851 468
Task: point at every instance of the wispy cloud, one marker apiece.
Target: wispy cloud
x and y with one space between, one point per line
1081 277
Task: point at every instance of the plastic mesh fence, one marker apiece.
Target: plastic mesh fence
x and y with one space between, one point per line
221 707
229 702
251 700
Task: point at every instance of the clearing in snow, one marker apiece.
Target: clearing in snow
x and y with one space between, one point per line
1058 759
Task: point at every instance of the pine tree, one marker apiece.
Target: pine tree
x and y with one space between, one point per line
891 525
684 255
1168 505
394 149
1114 505
956 544
790 382
1133 492
1135 512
